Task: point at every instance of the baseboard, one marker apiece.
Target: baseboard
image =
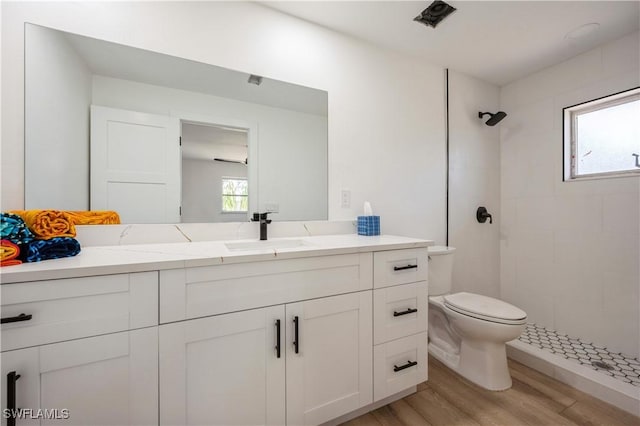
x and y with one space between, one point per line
364 410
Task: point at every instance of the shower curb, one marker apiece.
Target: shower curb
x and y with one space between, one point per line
615 392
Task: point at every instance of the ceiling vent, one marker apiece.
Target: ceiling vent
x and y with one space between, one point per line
255 79
435 13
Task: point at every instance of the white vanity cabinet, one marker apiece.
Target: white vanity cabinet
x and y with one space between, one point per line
84 346
283 339
240 368
297 363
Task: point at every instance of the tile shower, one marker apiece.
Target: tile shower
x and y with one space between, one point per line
617 365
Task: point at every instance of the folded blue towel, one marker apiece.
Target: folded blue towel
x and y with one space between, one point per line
55 248
13 228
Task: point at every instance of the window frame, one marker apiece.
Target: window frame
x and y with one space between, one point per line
222 195
569 145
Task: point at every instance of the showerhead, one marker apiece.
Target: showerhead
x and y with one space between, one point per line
493 118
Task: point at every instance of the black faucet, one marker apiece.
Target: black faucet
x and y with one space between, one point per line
262 218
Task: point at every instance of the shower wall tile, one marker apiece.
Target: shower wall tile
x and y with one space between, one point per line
513 180
538 213
535 283
508 217
534 255
621 296
579 278
628 185
508 269
581 213
569 251
534 116
474 181
620 213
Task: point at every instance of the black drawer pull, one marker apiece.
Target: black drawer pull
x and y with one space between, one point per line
402 268
408 311
407 365
278 338
12 378
21 317
296 338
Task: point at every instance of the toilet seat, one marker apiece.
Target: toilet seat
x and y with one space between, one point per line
485 308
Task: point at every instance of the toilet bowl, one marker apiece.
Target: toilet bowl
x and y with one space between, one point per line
468 332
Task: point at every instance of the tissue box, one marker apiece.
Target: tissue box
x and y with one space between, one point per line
368 225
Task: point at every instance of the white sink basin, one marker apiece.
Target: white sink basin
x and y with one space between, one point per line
265 245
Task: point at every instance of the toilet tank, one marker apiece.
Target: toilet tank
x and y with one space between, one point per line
440 269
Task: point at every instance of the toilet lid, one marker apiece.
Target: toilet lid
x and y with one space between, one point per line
484 307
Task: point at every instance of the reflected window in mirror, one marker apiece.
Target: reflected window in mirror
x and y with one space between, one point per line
235 195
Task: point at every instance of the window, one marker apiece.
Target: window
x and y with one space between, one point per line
602 137
235 195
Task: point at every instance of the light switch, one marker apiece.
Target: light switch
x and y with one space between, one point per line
345 197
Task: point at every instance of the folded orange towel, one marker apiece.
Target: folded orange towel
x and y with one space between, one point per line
8 253
96 217
47 224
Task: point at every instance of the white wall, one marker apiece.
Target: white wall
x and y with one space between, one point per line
58 97
569 250
292 146
386 112
474 158
202 191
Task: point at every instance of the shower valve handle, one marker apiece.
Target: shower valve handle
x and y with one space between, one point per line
482 214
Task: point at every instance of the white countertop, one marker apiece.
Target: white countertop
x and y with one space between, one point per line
104 260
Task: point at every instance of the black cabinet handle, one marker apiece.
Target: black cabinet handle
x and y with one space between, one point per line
296 340
408 311
12 378
402 268
21 317
278 338
407 365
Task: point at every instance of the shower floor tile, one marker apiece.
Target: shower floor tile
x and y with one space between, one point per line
616 365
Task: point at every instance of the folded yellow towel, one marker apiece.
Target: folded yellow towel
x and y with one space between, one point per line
97 217
46 224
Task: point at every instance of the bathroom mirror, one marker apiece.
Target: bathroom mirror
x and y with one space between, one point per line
162 139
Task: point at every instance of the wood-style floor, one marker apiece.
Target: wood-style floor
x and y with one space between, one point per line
534 399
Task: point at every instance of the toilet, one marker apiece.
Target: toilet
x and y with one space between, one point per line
468 332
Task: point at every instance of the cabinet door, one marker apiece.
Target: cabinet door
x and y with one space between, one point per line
104 380
330 372
223 370
21 369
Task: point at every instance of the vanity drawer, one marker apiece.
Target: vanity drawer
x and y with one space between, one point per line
399 267
399 311
398 365
72 308
212 290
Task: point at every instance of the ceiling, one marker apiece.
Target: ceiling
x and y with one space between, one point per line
496 41
200 142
